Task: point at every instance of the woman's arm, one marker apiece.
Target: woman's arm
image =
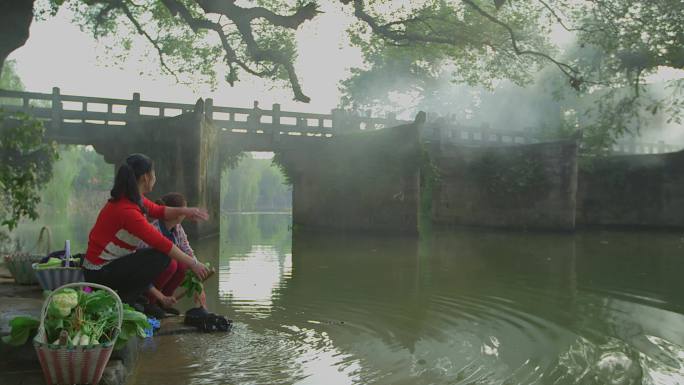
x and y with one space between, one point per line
199 269
165 212
166 301
192 213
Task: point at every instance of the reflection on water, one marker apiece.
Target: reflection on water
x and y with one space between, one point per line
456 307
250 281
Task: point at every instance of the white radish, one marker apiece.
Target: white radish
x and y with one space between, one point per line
85 340
76 339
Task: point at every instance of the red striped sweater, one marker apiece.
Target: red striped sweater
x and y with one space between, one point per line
119 228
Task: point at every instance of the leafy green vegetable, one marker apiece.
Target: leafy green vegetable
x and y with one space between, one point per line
51 263
92 318
22 328
134 323
192 283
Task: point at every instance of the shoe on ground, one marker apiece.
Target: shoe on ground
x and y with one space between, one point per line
137 306
153 310
207 322
171 310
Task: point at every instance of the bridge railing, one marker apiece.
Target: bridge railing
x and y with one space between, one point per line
477 135
485 135
59 108
635 147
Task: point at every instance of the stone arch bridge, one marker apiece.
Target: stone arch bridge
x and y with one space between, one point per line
190 143
352 173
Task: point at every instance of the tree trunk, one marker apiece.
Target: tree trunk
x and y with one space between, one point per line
15 19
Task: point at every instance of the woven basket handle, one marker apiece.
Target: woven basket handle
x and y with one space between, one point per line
44 231
46 303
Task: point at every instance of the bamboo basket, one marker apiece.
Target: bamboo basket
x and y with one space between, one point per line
20 266
74 365
51 279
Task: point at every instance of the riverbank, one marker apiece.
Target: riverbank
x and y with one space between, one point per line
20 365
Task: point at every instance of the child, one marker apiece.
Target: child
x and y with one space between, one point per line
168 281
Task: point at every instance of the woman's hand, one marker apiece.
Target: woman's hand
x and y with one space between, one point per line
199 269
167 302
196 214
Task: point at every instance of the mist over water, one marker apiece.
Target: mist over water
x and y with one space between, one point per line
454 307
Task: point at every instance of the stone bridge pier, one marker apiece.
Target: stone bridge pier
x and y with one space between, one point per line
366 182
186 160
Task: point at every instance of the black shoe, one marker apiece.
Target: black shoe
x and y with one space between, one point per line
137 306
220 323
171 310
207 322
153 310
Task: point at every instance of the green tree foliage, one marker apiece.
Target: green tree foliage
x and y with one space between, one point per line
9 80
70 201
192 39
485 38
602 78
619 43
255 185
25 166
25 159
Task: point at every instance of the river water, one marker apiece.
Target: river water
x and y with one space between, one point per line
453 307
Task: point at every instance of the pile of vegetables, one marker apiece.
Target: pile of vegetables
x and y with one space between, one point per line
80 318
53 262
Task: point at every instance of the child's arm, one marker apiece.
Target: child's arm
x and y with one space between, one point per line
183 242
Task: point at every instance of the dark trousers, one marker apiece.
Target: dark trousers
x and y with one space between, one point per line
131 275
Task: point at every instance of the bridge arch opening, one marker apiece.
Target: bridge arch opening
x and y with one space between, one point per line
255 199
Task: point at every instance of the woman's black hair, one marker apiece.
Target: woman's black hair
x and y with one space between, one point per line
126 180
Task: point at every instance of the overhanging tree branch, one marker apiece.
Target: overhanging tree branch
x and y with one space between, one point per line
569 71
242 19
399 38
129 15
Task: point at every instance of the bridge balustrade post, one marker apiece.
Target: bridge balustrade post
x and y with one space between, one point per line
338 120
661 147
56 115
275 122
133 108
632 147
209 109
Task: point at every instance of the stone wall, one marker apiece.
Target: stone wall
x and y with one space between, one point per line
359 182
186 158
632 190
524 186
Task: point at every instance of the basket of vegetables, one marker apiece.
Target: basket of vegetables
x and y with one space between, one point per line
56 270
77 333
20 266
